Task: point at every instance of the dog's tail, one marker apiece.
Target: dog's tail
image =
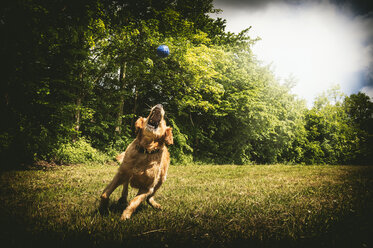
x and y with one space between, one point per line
120 157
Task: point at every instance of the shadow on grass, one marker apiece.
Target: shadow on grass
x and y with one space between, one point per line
117 207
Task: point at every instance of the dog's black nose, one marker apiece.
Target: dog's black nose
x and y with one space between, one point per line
160 106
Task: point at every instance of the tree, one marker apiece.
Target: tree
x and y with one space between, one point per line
333 135
359 109
83 71
45 46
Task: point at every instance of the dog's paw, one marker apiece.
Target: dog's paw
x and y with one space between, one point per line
156 206
125 216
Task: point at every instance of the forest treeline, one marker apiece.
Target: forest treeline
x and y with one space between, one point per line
77 74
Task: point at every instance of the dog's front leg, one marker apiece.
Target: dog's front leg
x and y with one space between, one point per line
141 196
150 199
117 180
123 199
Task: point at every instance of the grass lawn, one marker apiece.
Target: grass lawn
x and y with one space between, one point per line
203 206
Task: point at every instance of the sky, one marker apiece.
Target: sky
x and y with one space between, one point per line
319 43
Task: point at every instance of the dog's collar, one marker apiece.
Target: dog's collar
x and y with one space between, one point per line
141 149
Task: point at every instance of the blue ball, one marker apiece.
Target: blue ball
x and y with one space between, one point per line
163 51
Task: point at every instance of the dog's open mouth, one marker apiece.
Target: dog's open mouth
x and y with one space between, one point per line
155 118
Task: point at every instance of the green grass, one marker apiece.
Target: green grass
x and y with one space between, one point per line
203 206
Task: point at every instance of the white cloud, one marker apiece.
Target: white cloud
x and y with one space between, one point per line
317 43
368 90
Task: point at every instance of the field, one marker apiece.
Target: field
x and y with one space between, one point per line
203 206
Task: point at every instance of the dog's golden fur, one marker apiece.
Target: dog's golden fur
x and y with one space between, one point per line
144 164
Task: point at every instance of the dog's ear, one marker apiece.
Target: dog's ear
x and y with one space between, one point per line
169 138
139 124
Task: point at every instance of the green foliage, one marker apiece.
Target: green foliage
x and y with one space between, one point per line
79 69
181 152
359 110
78 152
333 131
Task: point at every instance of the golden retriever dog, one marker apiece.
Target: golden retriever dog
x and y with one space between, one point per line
144 163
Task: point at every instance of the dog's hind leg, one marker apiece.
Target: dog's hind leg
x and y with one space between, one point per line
117 180
123 199
141 196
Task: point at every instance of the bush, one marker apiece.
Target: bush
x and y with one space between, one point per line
181 152
79 151
118 146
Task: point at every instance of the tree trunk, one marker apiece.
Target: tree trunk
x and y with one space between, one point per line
77 113
134 108
78 110
122 76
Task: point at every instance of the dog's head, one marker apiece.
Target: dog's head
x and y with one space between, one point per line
154 126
